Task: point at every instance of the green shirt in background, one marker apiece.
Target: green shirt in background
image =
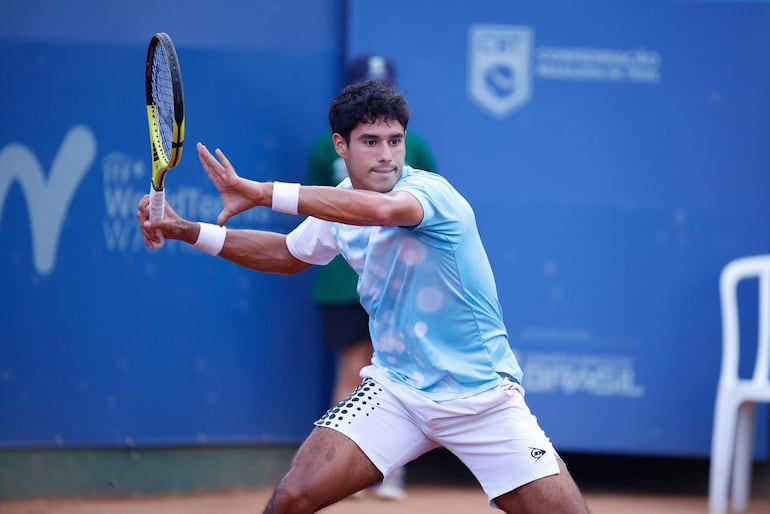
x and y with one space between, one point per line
337 283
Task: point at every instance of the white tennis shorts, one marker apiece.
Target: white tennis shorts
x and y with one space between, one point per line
493 433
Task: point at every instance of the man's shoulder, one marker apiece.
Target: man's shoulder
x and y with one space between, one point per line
426 182
416 175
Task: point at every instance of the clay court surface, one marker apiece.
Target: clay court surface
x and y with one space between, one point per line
439 484
427 499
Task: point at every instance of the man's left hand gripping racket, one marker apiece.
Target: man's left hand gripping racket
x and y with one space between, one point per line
165 115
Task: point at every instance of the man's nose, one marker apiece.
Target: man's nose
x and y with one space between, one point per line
385 153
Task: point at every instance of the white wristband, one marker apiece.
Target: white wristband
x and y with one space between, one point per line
285 197
211 238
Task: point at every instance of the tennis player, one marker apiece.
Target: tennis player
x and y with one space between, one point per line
442 373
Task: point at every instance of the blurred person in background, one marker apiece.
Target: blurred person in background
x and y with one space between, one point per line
345 323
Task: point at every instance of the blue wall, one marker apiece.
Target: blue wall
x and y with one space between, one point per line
103 341
616 154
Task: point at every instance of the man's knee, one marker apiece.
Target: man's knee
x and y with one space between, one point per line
288 499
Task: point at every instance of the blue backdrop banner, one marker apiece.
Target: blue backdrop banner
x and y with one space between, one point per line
617 157
103 342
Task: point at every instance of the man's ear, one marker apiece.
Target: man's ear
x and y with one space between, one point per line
340 145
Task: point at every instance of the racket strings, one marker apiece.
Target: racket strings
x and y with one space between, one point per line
163 97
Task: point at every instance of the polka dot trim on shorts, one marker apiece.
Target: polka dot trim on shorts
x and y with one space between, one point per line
360 403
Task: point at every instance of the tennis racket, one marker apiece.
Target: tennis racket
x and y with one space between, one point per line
165 116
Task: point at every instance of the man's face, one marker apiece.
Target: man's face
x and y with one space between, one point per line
375 155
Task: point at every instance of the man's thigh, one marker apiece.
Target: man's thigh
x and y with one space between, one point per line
329 467
555 494
498 439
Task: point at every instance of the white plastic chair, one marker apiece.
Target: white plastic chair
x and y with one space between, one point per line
732 445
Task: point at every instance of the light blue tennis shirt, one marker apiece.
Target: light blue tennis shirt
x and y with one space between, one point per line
434 314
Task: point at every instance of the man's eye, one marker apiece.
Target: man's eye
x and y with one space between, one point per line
395 142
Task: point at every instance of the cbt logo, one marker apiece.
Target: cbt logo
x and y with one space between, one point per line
500 76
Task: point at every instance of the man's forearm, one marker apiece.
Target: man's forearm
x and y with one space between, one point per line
261 251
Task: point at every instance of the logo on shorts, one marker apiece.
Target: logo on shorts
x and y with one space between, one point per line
536 453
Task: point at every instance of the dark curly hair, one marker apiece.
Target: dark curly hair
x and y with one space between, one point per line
367 102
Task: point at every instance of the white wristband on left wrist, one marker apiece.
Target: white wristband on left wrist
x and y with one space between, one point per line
211 238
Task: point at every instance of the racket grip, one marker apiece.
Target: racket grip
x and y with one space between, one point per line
158 211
